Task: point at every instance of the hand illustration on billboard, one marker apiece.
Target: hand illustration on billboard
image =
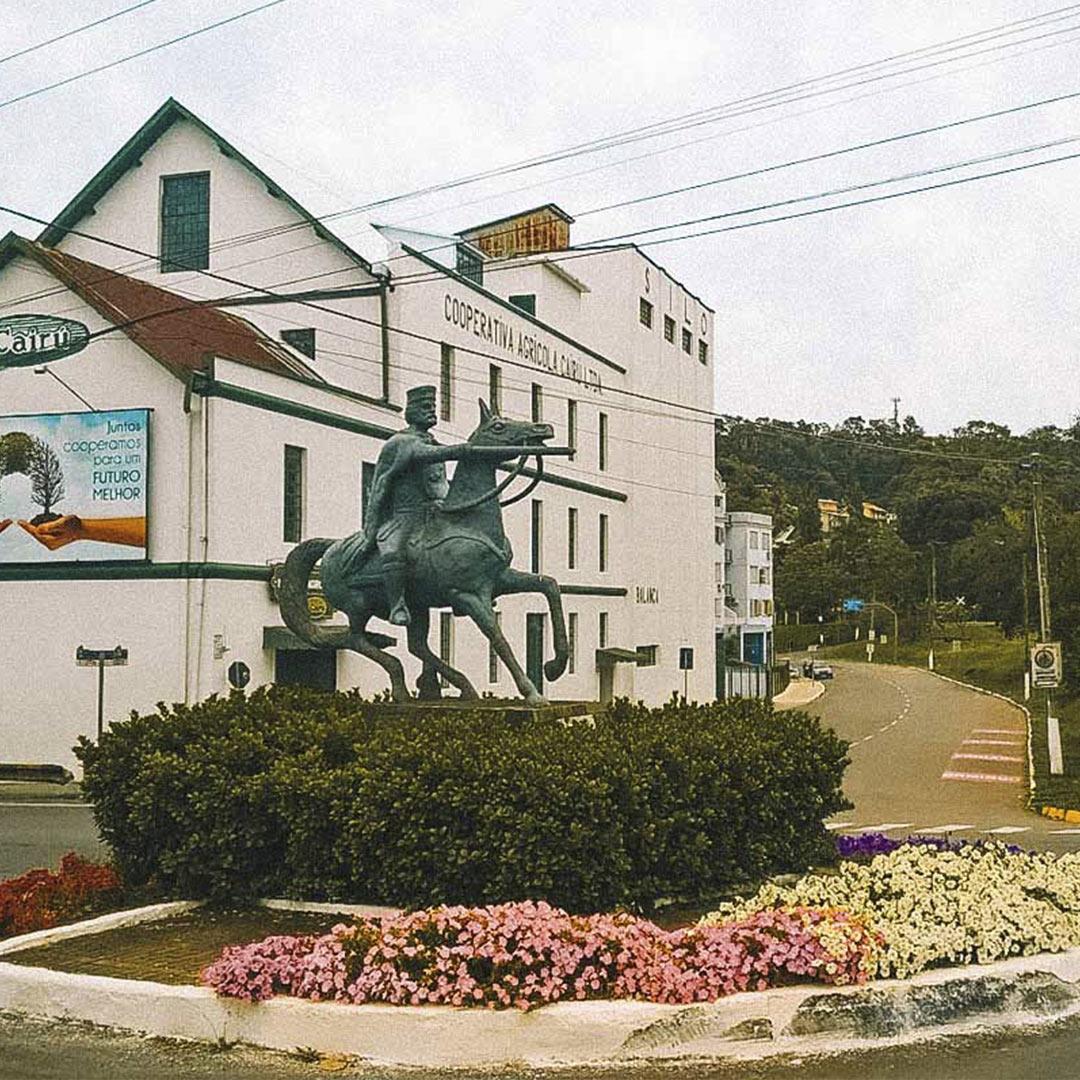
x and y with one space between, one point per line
4 523
69 528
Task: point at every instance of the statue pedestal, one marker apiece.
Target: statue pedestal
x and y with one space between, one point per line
513 709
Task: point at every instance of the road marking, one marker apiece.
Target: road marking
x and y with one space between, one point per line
1065 832
993 742
886 826
1008 830
996 731
987 757
985 778
838 825
948 828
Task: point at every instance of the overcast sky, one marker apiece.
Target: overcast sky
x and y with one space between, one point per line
962 302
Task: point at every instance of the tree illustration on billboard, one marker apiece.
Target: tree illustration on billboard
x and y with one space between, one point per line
46 480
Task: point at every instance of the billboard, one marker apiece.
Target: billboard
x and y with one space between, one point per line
73 486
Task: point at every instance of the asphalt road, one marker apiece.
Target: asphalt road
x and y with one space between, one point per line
37 833
928 756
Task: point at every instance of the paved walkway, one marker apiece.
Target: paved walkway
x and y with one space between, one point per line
799 692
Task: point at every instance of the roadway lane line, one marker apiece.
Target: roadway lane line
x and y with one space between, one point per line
986 757
985 778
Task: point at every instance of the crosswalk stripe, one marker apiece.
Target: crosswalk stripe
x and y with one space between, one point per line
1007 830
986 757
948 828
986 778
992 742
886 826
996 731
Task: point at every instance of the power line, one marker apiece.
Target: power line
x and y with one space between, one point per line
140 53
77 30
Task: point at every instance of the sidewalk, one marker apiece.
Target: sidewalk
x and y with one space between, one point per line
799 692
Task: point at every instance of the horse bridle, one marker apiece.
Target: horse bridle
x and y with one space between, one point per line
499 488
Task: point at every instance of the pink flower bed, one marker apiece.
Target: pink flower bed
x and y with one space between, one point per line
526 954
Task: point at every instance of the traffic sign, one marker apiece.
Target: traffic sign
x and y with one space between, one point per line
239 674
1046 665
853 604
117 657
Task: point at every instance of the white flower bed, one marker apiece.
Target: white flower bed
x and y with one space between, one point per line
974 905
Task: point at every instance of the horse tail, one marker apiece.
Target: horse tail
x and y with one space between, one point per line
293 597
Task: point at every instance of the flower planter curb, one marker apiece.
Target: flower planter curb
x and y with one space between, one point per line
790 1019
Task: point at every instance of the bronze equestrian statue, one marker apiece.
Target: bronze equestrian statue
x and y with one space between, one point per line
429 545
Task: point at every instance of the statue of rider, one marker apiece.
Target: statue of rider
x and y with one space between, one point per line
409 481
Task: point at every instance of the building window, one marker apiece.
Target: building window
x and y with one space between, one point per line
718 534
302 339
602 432
753 540
646 655
571 538
537 403
718 569
446 640
669 329
603 631
493 656
185 222
603 543
687 341
495 389
525 301
367 478
703 351
446 381
470 265
645 310
571 425
537 536
571 642
293 494
765 540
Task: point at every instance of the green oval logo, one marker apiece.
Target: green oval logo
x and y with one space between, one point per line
36 339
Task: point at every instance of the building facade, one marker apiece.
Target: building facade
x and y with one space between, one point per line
266 362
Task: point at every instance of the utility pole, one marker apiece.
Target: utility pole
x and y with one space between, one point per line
895 412
1042 580
933 601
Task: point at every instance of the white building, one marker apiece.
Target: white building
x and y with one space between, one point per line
267 410
744 584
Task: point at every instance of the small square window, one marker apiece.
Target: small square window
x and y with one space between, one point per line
703 351
669 329
645 310
525 301
302 339
687 341
646 655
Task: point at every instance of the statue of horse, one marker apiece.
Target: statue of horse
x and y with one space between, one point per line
459 558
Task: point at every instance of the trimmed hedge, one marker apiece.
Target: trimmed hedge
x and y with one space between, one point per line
291 792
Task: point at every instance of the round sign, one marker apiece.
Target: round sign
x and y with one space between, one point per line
1044 658
239 674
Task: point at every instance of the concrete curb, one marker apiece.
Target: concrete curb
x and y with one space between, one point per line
798 701
791 1019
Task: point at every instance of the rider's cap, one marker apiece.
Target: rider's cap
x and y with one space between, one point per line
420 395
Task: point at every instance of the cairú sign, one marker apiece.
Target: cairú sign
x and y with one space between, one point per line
37 339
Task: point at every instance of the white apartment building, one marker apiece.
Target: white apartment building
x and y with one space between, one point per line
744 583
265 362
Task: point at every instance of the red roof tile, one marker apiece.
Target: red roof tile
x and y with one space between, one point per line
177 332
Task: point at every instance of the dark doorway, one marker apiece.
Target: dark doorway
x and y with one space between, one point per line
534 650
316 668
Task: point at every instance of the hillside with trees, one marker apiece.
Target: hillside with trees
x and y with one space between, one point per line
962 501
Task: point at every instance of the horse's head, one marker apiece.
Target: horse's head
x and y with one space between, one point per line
495 430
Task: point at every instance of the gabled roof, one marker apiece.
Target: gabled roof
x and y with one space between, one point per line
177 332
131 152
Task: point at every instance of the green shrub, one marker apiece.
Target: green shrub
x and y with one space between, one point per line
289 792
